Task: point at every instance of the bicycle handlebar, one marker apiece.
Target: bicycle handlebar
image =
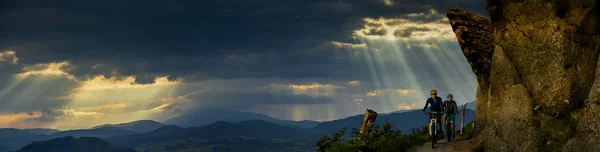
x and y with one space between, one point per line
435 113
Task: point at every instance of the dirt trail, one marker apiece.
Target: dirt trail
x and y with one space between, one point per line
460 144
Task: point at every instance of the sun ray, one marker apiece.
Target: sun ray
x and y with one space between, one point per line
385 77
424 37
8 89
407 69
373 71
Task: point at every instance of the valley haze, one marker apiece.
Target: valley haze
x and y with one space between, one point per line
272 134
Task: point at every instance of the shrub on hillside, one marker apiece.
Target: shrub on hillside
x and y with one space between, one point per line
381 138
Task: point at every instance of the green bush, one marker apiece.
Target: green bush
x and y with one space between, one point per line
468 130
381 138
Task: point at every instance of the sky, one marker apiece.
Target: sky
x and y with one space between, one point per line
70 64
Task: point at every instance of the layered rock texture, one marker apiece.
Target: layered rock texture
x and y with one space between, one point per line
537 66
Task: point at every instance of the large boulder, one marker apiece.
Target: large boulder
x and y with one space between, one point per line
539 85
477 44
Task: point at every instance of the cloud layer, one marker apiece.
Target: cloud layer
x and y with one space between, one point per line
75 64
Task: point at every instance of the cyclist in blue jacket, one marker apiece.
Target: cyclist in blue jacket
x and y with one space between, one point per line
436 106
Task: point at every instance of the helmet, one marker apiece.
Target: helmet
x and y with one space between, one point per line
433 91
449 96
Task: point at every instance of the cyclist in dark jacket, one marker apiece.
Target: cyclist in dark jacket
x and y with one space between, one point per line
437 106
451 110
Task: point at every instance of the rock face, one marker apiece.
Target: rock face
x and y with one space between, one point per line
473 33
538 73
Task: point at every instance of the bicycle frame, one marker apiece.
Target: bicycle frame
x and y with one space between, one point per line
433 123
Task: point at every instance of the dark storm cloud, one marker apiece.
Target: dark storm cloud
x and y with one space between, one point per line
144 79
177 37
52 114
405 33
376 32
375 25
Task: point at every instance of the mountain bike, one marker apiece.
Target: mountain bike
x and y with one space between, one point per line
433 122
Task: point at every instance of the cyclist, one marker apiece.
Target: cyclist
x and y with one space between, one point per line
436 106
451 111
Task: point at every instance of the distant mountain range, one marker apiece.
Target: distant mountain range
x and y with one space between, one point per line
43 131
206 117
100 133
238 131
14 139
140 126
257 135
472 105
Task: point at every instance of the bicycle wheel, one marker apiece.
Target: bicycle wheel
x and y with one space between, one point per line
449 131
434 136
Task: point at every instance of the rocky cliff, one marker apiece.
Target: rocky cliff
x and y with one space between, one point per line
537 66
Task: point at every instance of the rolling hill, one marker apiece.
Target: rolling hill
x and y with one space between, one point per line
206 117
140 126
224 135
71 144
43 131
100 133
258 135
13 139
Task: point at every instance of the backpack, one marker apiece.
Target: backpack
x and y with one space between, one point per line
450 107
